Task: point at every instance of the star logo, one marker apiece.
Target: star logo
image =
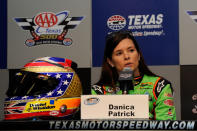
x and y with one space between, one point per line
13 97
68 76
24 97
50 93
48 74
58 76
59 92
39 96
65 82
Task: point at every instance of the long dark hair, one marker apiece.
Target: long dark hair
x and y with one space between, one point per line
109 75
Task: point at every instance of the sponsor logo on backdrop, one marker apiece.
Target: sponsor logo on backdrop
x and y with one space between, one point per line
193 15
141 25
116 22
49 27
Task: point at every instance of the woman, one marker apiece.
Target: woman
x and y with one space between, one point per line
123 51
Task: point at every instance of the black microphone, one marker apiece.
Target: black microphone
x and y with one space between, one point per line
126 80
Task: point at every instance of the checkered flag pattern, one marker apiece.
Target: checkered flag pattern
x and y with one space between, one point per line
70 22
193 15
25 23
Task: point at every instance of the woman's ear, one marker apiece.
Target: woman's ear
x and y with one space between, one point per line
110 62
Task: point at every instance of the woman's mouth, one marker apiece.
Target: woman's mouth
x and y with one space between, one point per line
128 65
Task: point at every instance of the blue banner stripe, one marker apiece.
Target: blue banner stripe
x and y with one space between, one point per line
77 18
20 19
3 34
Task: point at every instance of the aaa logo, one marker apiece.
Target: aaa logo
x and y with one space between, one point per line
46 19
49 28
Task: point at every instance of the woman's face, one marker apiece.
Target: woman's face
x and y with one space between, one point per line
125 55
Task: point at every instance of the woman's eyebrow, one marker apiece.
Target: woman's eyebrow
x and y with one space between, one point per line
131 47
117 50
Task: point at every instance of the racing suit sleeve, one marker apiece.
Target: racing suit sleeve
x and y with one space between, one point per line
164 105
93 92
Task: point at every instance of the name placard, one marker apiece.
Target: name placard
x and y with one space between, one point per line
114 107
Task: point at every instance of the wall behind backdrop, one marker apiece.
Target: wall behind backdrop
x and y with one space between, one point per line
165 32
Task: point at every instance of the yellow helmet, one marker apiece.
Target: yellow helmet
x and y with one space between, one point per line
47 86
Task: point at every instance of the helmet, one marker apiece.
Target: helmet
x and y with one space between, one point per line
46 87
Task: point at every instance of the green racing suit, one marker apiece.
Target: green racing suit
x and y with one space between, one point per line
161 106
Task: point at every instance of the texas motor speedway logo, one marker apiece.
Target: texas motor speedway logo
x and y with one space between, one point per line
116 22
141 25
49 28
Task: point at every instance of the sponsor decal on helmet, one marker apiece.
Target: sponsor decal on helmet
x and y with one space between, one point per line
14 107
49 27
38 106
54 113
91 101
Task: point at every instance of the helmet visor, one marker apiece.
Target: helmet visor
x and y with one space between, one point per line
25 83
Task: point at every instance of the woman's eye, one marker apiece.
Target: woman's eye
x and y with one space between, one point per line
118 53
131 50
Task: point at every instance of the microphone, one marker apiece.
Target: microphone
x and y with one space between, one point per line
126 80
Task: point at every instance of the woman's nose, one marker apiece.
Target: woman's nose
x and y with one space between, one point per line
126 56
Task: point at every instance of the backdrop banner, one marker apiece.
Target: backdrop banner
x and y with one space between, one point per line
153 23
